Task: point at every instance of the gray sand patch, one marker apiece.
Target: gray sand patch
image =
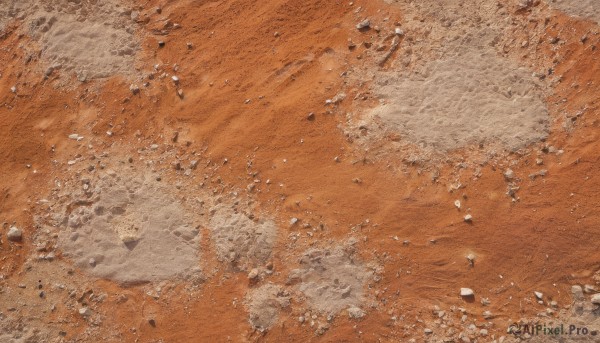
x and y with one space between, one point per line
93 39
589 9
130 231
239 240
264 305
473 98
331 279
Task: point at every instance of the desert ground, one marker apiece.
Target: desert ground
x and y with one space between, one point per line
300 171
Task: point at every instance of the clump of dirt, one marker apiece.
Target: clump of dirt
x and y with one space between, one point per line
470 99
331 279
129 229
264 305
589 9
93 39
239 240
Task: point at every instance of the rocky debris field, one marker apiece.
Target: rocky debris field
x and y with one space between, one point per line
284 171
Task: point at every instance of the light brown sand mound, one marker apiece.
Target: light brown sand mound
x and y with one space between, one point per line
331 279
131 231
239 240
589 9
264 305
473 98
93 39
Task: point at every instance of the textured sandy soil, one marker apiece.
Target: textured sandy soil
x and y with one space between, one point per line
225 177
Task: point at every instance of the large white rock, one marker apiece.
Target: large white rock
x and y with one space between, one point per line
466 292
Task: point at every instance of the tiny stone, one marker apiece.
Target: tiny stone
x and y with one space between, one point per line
14 234
363 24
399 32
488 315
293 221
577 292
428 331
134 89
85 312
596 299
471 259
457 204
538 295
253 274
468 218
355 312
509 174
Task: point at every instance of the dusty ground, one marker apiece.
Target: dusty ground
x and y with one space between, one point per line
201 171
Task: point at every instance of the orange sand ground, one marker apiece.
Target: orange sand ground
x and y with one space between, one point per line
546 241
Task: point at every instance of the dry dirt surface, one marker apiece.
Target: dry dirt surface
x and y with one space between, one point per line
299 171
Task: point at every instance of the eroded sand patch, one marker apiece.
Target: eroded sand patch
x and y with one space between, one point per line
130 230
239 240
589 9
264 305
331 279
472 98
93 39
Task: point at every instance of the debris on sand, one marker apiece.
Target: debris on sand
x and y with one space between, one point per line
131 231
331 279
473 98
239 240
91 39
264 305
